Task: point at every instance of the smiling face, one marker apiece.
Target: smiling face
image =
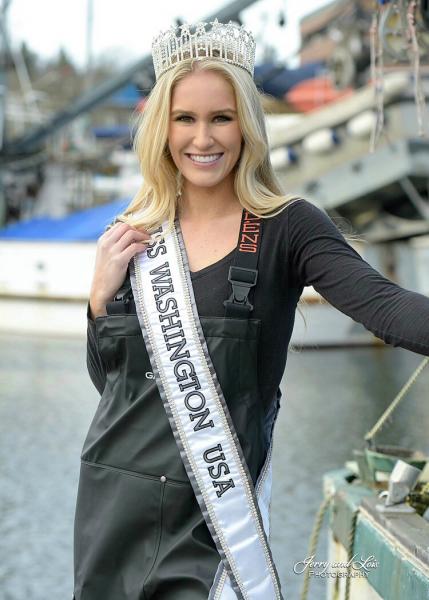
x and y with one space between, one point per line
204 136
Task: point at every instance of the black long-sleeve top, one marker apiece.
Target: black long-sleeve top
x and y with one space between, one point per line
301 246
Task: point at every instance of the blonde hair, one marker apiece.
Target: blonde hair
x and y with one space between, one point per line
255 183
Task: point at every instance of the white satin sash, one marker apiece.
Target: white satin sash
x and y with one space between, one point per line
201 422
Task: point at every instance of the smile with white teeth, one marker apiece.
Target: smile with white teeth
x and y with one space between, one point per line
204 158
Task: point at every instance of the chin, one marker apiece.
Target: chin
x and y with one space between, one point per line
204 182
203 179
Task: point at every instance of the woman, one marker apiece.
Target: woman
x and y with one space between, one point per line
165 508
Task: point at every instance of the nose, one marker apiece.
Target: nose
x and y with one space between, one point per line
203 137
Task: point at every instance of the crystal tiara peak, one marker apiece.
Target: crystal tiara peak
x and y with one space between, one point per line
228 42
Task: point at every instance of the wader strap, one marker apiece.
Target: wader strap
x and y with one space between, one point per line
243 273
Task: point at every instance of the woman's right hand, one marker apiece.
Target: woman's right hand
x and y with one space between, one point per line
115 249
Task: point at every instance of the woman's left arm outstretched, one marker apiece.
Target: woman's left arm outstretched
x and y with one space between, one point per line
320 256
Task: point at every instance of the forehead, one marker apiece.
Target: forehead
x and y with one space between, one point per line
207 87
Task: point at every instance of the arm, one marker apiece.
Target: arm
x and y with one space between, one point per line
94 362
320 256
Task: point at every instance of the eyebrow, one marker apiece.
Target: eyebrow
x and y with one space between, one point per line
189 112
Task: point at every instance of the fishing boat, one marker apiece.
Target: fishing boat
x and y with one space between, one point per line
375 554
378 506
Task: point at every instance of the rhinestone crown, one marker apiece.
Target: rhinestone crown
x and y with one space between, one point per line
228 42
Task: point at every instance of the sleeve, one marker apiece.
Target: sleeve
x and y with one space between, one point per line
94 362
320 256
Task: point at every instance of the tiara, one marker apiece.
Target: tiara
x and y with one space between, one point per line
228 42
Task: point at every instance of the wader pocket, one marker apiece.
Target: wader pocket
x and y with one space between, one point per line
232 345
117 532
111 332
126 405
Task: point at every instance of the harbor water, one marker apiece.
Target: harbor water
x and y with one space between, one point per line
330 400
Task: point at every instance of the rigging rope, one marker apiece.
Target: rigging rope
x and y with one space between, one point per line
381 421
412 29
313 541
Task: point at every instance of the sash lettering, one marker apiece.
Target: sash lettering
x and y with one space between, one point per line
184 370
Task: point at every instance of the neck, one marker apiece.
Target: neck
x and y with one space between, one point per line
206 203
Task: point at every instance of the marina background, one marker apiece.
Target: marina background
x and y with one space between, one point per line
63 178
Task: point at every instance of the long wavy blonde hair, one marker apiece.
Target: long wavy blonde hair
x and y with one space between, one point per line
255 184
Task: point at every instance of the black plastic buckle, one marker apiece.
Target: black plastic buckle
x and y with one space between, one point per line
241 287
120 303
124 296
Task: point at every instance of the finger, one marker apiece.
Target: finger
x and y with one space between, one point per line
133 249
118 230
112 226
129 237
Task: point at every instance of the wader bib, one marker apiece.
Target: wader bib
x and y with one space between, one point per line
140 532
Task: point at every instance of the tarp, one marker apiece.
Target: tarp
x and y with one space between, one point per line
112 131
85 225
126 97
277 80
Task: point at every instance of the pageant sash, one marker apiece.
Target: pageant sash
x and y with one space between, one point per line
222 588
200 420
